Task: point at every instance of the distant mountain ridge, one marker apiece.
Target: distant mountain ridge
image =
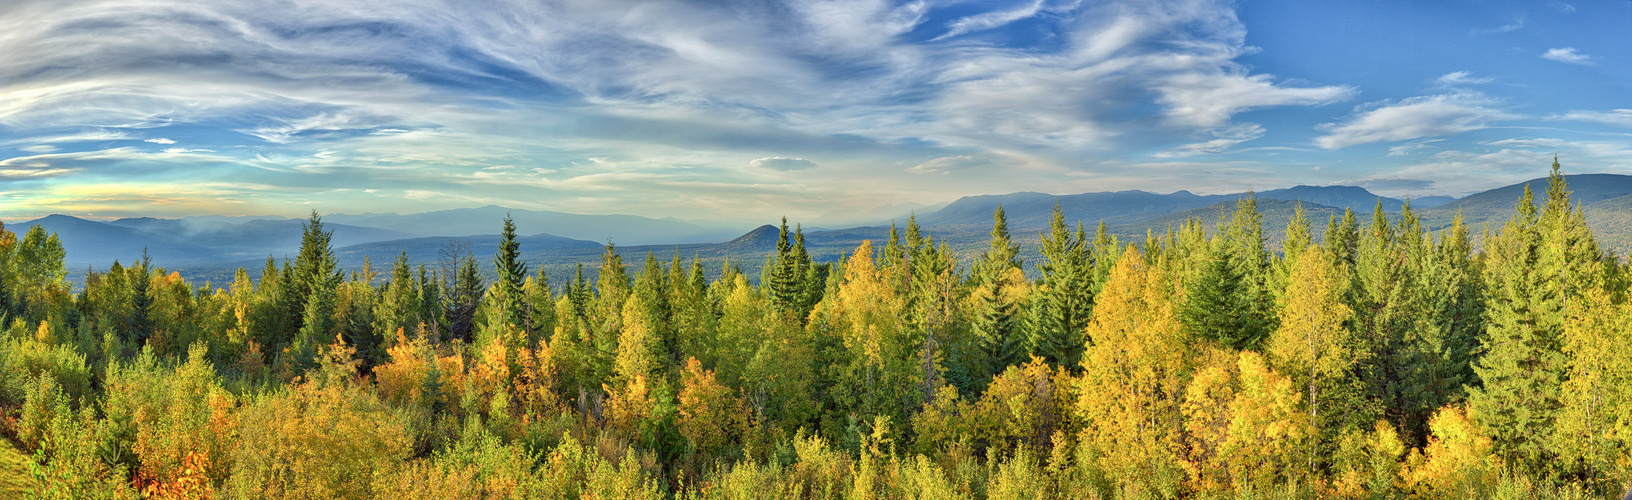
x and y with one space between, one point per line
211 246
620 229
182 242
1032 210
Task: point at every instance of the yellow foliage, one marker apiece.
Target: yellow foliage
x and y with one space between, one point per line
318 441
710 415
1243 425
1456 460
1312 344
43 334
638 342
186 428
628 405
402 380
1020 406
491 372
536 381
1133 372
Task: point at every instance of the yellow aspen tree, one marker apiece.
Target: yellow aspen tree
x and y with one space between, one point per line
1595 424
1458 461
869 315
710 414
1133 374
1312 346
1266 429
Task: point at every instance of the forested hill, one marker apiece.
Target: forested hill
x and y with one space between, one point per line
1367 362
213 248
1031 210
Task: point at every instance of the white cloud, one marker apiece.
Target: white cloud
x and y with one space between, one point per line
1412 147
781 163
1460 78
1498 163
1224 139
1515 25
1617 117
91 136
949 164
1567 55
412 93
1210 99
1414 118
989 20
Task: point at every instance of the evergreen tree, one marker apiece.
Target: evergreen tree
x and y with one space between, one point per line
995 322
1063 299
314 271
1535 264
399 304
512 275
462 297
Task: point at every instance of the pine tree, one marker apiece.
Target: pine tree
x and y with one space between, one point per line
398 307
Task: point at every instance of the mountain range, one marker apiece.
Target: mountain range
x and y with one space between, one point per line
210 247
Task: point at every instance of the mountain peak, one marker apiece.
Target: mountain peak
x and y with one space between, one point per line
762 237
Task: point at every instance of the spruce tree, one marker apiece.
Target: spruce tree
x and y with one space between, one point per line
512 273
995 321
1533 266
462 297
1061 306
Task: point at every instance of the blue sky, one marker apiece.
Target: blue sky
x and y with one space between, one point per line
744 111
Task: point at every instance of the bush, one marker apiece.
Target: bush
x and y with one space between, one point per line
314 440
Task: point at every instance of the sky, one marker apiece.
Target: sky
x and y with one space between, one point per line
750 110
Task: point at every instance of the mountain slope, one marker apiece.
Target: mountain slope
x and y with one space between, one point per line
1120 208
1496 206
620 229
180 242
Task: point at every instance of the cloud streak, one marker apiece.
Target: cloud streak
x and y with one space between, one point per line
1413 118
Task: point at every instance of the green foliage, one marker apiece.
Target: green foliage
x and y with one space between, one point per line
1532 268
1386 362
1063 299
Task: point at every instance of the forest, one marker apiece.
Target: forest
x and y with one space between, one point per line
1389 360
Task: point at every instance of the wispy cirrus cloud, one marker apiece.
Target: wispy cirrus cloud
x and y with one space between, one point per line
1616 117
1413 118
1461 78
949 164
782 163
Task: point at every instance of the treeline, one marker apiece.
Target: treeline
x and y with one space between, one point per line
1385 361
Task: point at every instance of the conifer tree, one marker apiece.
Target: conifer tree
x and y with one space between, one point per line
1062 301
398 307
995 321
512 273
461 298
308 290
1534 265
